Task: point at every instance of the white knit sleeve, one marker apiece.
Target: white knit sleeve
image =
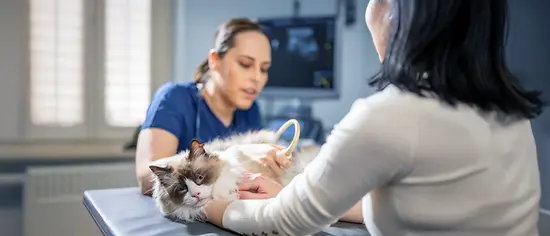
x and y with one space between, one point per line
371 146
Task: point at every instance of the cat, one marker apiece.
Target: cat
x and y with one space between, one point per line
187 181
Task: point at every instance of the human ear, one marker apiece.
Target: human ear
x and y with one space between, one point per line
214 60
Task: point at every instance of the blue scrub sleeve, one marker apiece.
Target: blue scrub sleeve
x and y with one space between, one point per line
166 110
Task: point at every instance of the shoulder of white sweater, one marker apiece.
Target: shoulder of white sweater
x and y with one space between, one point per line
390 102
390 115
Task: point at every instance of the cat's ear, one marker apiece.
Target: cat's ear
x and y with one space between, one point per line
160 171
196 149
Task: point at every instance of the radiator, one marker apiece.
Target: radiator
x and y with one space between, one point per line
52 203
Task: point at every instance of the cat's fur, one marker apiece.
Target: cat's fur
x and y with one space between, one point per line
214 170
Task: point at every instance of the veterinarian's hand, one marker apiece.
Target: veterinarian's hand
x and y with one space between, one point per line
258 187
274 162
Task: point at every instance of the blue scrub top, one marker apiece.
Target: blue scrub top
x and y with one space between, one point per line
176 106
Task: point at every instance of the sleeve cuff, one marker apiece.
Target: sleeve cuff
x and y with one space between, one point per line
243 217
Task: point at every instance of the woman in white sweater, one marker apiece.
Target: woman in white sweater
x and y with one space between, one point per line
444 148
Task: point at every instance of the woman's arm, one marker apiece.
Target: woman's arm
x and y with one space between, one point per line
215 211
370 147
355 214
163 125
153 144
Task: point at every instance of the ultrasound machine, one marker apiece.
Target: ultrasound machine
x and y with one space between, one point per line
302 72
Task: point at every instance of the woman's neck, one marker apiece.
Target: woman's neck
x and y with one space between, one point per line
218 104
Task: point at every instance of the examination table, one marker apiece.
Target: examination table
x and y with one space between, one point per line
125 212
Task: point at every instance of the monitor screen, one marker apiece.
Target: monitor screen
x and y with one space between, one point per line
302 52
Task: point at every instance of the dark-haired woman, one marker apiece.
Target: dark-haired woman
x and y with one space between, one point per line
444 148
219 102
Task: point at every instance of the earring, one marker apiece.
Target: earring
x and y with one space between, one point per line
422 79
425 75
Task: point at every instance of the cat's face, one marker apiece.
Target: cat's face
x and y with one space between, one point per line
189 182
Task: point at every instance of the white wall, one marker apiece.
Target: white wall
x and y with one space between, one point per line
12 71
356 56
12 49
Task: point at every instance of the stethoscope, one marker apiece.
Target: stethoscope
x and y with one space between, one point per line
200 88
197 115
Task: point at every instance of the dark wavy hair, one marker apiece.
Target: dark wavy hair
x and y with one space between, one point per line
455 49
224 40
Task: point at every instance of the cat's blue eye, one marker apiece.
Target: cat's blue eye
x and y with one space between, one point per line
199 178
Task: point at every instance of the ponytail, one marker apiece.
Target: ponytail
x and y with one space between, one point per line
201 71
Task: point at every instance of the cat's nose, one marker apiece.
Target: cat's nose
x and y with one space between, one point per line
197 194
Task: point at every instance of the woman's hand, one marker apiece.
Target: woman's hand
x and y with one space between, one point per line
274 161
258 187
254 186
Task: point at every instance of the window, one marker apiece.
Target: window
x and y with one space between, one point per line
56 73
127 61
91 65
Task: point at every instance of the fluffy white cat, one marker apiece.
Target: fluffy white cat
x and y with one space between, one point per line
185 182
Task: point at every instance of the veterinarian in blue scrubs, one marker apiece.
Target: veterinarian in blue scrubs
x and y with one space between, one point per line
220 101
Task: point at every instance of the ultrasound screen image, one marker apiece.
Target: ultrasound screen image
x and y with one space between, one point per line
302 52
301 42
